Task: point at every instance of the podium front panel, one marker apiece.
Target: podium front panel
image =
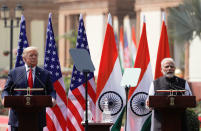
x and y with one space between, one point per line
172 101
98 126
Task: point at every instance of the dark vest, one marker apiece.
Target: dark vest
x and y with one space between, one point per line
164 83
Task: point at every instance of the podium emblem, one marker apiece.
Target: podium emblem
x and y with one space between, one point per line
115 102
172 99
138 104
28 101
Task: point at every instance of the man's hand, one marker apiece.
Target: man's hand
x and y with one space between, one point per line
54 102
147 103
2 101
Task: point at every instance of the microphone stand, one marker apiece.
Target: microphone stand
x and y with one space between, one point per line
127 88
41 83
86 100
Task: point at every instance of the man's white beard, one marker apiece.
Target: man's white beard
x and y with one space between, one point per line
169 75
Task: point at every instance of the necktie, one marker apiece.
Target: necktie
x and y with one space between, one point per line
30 79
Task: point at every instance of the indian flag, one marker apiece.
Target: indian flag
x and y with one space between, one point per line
121 48
109 78
133 46
137 113
163 50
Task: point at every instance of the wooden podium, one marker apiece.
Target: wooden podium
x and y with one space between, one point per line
98 126
172 109
27 108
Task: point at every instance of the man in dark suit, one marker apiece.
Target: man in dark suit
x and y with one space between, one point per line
29 75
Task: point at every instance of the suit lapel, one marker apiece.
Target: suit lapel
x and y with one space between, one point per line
37 73
24 78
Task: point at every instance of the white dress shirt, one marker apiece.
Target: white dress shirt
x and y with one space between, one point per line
28 70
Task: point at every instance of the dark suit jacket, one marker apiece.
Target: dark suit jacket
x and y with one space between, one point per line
17 78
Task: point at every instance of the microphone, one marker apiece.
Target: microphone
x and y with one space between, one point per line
40 81
180 88
176 87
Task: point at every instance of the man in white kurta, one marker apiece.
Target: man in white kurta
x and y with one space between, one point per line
167 82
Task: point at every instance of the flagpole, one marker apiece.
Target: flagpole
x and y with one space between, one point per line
163 16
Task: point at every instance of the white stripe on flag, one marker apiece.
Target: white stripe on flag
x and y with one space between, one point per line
72 118
74 121
76 103
54 119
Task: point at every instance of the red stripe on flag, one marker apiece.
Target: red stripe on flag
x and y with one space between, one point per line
91 91
59 116
77 94
70 125
75 113
107 61
50 124
60 91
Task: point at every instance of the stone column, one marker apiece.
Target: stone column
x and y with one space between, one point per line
67 42
186 69
61 42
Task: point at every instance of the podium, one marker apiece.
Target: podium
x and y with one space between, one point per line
172 109
98 126
28 108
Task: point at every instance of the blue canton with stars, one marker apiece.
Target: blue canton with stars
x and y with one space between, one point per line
51 57
77 76
22 43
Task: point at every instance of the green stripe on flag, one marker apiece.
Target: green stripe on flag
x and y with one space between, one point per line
117 124
147 124
121 64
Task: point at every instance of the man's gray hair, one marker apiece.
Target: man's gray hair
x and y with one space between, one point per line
167 59
28 49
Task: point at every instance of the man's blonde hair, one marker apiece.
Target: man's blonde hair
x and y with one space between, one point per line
28 49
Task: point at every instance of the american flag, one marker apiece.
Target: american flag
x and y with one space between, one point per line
76 95
22 43
56 116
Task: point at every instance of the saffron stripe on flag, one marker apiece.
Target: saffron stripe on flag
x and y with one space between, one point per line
163 50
